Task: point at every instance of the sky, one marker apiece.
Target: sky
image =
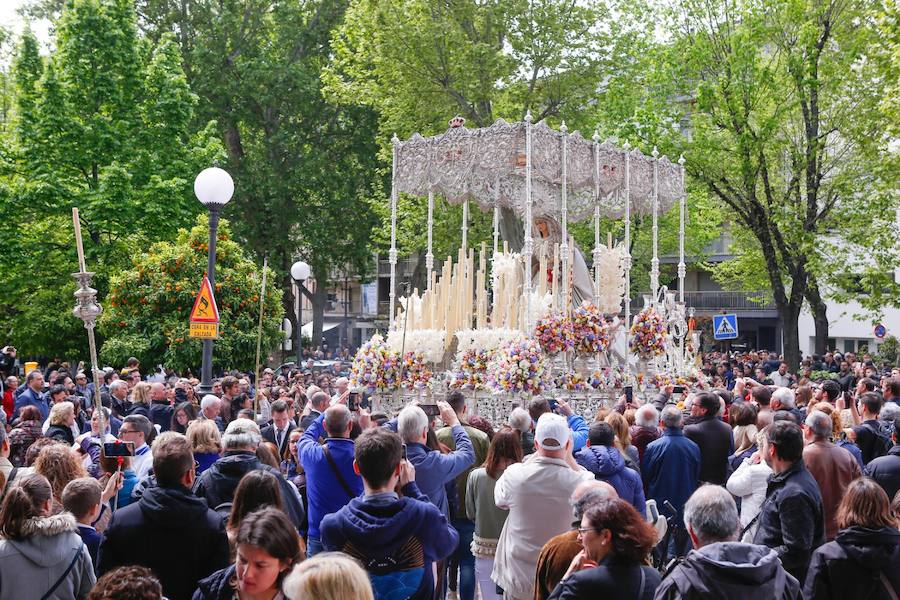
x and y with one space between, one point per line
11 20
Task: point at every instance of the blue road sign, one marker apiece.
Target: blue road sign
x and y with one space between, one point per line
725 327
880 331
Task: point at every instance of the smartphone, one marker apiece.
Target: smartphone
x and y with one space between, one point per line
678 389
431 410
404 452
553 405
115 449
353 401
629 394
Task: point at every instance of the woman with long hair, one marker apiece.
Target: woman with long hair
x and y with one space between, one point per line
257 490
505 449
60 465
290 463
41 554
206 443
615 541
623 439
329 576
863 561
183 414
749 483
140 399
268 547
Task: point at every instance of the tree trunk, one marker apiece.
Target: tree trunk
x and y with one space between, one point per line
319 300
790 316
820 317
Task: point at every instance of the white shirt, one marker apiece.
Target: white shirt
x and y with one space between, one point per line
749 483
528 491
142 461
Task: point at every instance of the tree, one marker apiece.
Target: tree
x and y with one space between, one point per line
149 304
417 62
783 125
303 166
106 123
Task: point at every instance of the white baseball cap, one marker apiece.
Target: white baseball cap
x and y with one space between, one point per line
552 432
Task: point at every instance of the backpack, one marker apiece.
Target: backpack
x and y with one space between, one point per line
397 576
883 443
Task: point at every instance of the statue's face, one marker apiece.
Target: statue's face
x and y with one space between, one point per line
542 228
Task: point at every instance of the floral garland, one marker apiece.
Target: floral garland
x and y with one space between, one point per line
375 366
555 333
416 373
605 378
571 382
648 334
519 366
471 374
590 329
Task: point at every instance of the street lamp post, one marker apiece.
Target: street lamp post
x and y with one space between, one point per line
299 273
214 188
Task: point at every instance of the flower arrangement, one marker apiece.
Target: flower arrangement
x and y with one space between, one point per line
519 366
416 373
605 378
471 373
654 380
375 366
591 330
555 333
571 382
648 334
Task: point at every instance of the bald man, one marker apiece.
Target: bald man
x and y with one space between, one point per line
557 554
161 408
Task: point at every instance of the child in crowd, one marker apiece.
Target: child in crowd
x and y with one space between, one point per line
82 498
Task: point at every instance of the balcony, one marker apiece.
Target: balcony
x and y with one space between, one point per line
721 300
405 267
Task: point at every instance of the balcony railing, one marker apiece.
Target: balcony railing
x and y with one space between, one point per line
721 300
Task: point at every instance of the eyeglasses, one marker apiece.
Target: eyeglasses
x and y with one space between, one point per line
584 530
126 431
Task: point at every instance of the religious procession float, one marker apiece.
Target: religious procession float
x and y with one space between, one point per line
508 326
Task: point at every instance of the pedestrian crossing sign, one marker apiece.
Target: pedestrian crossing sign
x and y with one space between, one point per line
725 327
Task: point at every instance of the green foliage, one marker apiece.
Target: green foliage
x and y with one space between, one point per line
304 167
889 351
822 375
148 305
105 123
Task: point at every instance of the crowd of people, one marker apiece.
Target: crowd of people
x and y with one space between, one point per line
293 487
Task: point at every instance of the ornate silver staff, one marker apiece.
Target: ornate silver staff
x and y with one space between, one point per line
87 309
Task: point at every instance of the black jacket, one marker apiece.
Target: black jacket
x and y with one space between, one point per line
716 444
611 579
217 586
730 570
868 442
60 432
851 565
791 519
139 409
217 483
268 434
161 414
170 531
886 471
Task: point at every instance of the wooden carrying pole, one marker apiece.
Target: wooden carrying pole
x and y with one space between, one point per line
262 304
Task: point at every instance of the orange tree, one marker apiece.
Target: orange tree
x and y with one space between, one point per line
146 311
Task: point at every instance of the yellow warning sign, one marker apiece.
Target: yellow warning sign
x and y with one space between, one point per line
204 331
205 309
